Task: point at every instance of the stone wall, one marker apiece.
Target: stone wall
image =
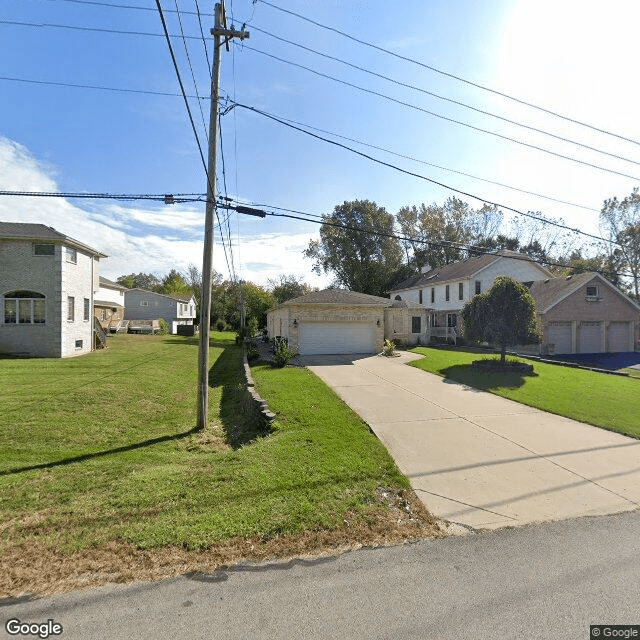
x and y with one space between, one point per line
256 410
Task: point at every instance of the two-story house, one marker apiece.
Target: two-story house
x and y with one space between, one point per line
445 290
141 304
47 286
109 305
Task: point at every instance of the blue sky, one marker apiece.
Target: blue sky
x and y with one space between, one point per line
576 61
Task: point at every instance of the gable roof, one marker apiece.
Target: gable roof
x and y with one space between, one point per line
184 300
462 269
340 296
548 293
30 231
111 285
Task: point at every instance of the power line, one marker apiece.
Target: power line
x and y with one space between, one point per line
417 175
308 126
186 102
449 75
166 198
99 87
439 97
437 115
437 166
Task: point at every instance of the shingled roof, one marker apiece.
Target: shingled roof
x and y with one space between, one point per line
30 231
340 296
460 270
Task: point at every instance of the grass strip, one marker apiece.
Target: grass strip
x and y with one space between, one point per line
610 402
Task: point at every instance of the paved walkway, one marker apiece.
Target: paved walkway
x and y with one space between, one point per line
480 460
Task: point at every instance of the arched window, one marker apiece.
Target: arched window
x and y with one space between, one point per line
23 307
398 298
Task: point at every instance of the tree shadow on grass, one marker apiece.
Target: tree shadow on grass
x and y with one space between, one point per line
227 373
485 381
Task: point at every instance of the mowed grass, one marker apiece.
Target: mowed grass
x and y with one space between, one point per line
102 448
611 402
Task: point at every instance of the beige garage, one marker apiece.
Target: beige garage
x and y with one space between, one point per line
337 321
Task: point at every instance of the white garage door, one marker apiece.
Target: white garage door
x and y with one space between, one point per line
336 337
590 337
619 336
560 335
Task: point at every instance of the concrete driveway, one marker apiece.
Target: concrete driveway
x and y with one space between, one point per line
480 460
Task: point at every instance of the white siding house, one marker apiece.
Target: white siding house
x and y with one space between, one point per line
47 287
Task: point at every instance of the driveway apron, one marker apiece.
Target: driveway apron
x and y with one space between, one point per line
479 460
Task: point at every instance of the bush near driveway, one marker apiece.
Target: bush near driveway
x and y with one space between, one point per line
611 402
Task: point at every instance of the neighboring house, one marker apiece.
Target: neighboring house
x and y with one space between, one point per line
585 313
109 304
339 321
447 289
141 304
47 286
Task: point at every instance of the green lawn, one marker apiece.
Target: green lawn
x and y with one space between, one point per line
608 401
102 447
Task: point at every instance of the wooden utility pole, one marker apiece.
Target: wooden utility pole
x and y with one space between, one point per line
220 35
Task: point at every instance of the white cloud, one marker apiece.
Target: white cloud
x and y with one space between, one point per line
142 239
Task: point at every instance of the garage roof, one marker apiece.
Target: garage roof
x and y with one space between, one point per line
340 296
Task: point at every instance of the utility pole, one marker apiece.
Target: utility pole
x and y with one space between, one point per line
219 33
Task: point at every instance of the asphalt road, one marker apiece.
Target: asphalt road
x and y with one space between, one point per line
538 581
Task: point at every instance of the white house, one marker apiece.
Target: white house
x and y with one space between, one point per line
141 304
109 304
47 286
445 290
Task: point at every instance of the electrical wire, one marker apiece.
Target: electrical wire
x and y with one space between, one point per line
417 175
440 116
177 197
193 126
449 75
439 97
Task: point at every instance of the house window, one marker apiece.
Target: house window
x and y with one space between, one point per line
460 291
452 319
71 308
397 298
87 308
592 291
72 255
433 294
78 344
446 293
420 296
144 303
478 287
44 249
416 324
24 307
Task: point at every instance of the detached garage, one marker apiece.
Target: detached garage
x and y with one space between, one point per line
336 321
585 313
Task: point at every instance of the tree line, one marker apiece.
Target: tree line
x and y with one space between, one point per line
367 249
233 303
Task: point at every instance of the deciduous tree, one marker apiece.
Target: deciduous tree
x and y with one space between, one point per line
504 315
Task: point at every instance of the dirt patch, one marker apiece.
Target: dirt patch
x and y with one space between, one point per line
38 569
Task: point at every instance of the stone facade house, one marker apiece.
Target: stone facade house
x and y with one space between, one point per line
585 313
47 286
109 305
339 321
445 290
141 304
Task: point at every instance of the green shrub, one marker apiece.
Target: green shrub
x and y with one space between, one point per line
283 353
389 348
220 325
164 327
252 350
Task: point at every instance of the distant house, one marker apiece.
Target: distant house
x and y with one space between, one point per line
109 305
141 304
585 313
445 290
337 321
47 286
